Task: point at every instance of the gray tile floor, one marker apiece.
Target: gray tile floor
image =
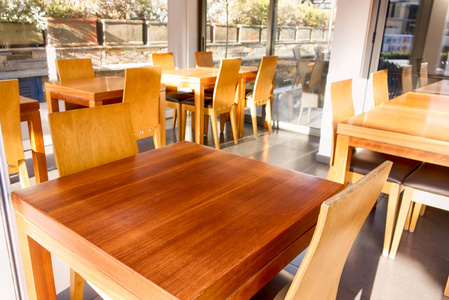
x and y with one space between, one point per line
421 266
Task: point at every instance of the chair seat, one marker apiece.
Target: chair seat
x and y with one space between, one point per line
276 289
174 96
363 161
207 101
430 178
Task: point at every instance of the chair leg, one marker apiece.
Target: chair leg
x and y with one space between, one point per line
180 122
174 117
232 114
223 120
415 216
409 216
301 110
213 117
393 199
446 289
268 115
157 137
405 206
206 125
76 286
309 114
423 210
183 124
23 175
254 118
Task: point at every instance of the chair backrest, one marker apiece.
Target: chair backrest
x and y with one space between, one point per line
423 80
264 80
163 60
226 83
302 68
406 78
142 88
297 53
10 123
317 72
204 59
342 107
89 137
340 220
380 87
74 69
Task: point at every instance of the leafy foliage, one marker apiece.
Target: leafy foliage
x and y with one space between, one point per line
396 54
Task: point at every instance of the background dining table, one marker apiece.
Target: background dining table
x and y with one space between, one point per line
29 112
200 79
180 222
440 87
413 125
94 92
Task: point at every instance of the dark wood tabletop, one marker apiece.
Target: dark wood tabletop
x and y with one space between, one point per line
184 221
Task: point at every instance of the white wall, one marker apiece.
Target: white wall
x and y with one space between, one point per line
348 51
183 31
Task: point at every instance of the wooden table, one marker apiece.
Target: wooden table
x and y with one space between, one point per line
440 87
94 92
180 222
29 112
413 126
199 79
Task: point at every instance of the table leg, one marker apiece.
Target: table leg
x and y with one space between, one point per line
37 147
52 103
37 265
199 114
342 157
162 117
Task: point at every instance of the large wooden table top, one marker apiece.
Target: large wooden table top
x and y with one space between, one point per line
183 221
440 87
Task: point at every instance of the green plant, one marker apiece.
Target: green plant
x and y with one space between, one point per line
395 54
24 11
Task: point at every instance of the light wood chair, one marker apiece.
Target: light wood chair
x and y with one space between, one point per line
380 87
11 132
312 89
339 222
406 79
86 138
263 91
173 97
204 59
428 185
74 69
223 100
423 77
142 87
363 161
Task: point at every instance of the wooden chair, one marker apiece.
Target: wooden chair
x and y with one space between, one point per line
86 138
380 87
74 69
339 222
204 59
362 160
312 89
406 79
173 98
428 185
11 131
263 91
223 100
142 87
423 78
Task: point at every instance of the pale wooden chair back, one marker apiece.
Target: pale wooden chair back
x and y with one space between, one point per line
89 137
380 87
317 72
11 132
342 107
163 60
74 69
142 88
406 79
340 220
264 80
226 83
423 80
204 59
